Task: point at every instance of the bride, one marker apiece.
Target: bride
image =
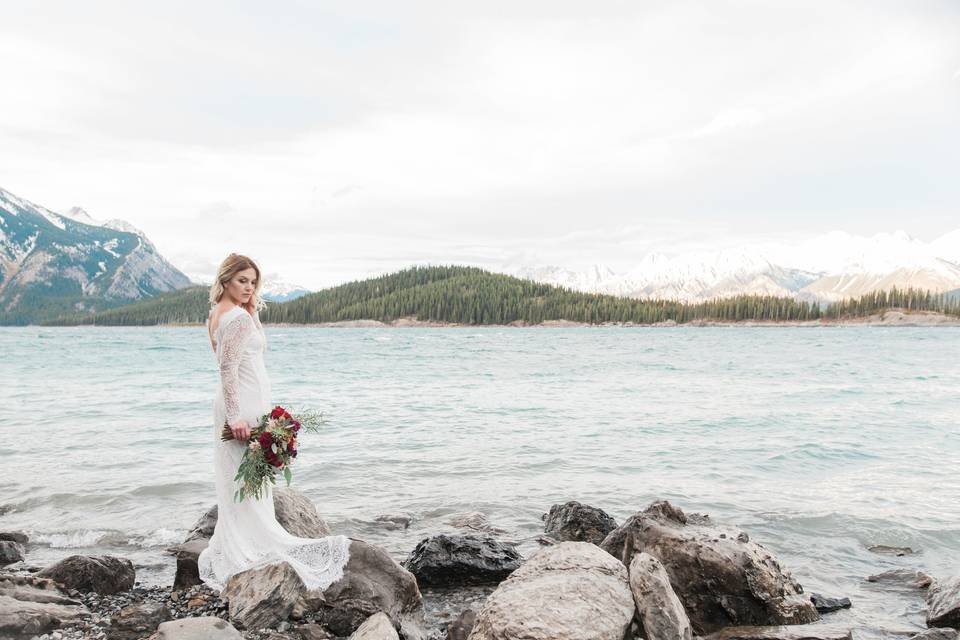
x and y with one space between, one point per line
247 534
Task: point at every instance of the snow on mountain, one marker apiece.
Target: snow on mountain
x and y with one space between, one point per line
54 263
279 291
830 267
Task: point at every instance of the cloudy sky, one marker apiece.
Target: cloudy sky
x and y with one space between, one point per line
334 140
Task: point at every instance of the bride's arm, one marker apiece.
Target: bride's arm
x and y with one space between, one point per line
233 341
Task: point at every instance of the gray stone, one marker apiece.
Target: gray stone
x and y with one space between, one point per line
722 578
659 607
260 598
376 627
15 536
577 522
460 628
137 620
828 605
31 606
569 591
448 561
10 552
943 604
188 572
473 520
793 632
313 632
909 578
205 628
393 521
943 633
104 574
372 582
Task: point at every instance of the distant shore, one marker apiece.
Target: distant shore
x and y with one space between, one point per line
886 319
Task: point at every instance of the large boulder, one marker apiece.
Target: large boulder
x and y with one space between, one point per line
10 552
104 574
372 582
15 536
376 627
577 522
721 577
294 511
205 628
659 607
137 620
943 604
449 561
569 591
31 606
263 597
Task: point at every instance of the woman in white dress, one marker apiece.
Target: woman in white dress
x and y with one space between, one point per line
247 534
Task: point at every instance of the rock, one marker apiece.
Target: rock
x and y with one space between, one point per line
577 522
890 551
943 633
943 604
137 620
297 514
659 607
445 560
721 581
15 536
569 591
394 521
31 606
376 627
10 552
826 605
204 526
793 632
205 628
263 597
473 520
188 573
372 582
294 511
460 628
909 578
313 632
103 574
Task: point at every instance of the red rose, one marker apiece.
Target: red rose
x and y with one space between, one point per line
266 440
295 426
277 412
287 415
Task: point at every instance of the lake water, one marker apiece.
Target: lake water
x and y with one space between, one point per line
819 442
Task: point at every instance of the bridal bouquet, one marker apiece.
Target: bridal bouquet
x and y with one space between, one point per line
272 447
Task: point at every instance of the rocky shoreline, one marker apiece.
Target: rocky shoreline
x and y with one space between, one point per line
662 574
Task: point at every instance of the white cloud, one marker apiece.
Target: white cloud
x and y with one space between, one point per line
336 140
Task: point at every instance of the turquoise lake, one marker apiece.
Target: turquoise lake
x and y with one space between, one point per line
819 442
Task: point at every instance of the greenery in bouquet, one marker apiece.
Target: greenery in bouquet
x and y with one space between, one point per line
271 449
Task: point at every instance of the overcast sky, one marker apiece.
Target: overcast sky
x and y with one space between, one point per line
332 140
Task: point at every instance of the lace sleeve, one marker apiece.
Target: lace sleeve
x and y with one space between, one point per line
232 343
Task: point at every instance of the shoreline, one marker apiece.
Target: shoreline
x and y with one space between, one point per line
893 318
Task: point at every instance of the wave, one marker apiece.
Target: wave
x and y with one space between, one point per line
85 538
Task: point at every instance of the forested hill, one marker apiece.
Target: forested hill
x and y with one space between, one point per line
468 295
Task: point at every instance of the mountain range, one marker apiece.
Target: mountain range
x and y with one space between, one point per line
52 263
831 267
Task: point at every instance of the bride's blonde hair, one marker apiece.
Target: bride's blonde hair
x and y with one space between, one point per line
231 266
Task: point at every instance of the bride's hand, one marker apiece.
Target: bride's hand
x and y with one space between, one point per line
241 430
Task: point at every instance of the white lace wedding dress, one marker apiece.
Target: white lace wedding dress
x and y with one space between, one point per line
247 534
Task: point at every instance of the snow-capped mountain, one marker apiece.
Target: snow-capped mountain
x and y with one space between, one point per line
831 267
54 263
279 291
